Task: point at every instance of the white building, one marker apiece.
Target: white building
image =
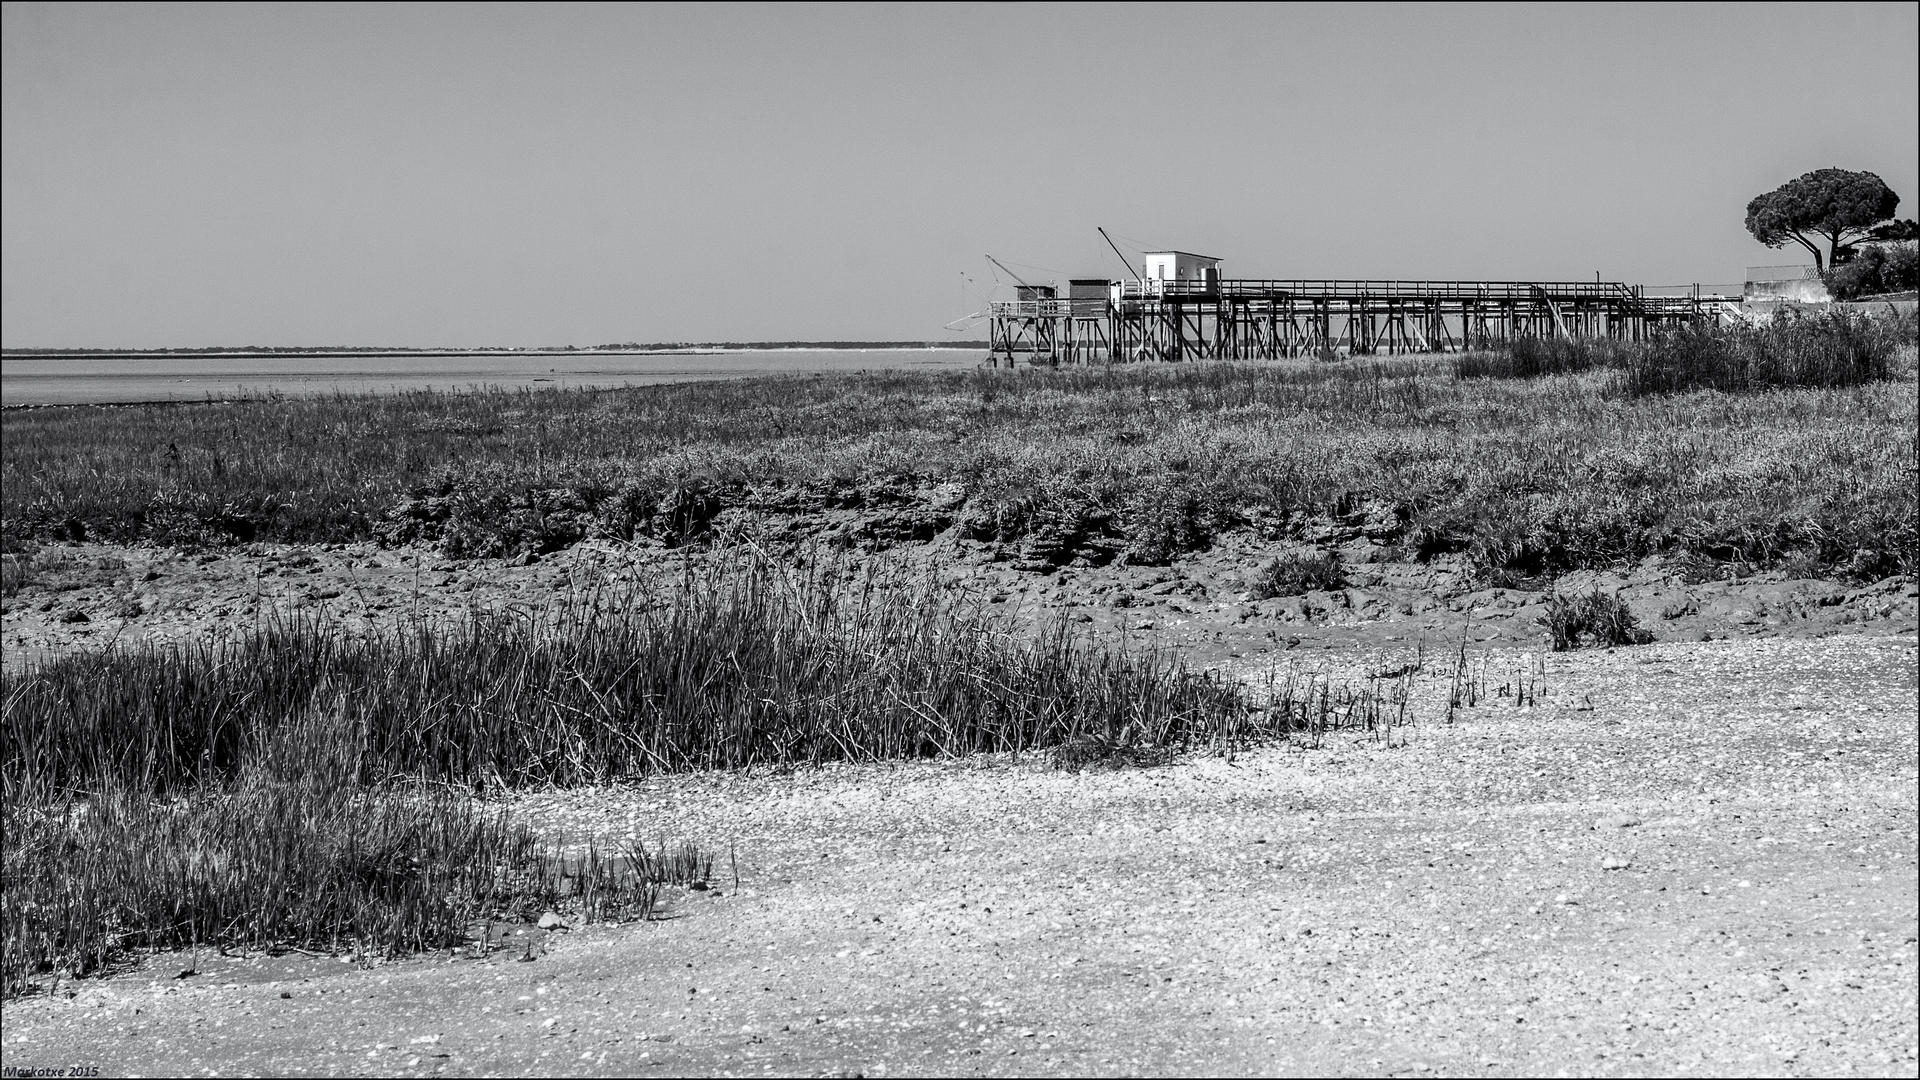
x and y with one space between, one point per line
1181 266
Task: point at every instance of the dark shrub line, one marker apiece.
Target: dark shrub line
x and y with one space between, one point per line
1828 350
1793 348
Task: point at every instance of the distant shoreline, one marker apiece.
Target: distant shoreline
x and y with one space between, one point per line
703 349
98 378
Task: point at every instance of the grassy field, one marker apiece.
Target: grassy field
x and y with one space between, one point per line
1524 476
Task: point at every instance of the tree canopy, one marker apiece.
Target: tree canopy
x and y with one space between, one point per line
1831 205
1895 231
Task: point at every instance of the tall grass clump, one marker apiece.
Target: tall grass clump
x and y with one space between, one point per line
295 846
1794 348
1535 357
16 570
756 666
1293 573
1826 350
1596 618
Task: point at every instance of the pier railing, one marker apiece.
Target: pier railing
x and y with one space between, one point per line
1360 288
1078 308
1361 291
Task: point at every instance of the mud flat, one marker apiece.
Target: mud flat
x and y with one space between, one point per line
1205 605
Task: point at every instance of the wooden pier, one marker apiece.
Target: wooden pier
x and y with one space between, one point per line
1256 319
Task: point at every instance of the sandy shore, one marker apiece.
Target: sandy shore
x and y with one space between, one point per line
1696 857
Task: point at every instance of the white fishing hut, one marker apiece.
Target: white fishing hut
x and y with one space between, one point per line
1181 266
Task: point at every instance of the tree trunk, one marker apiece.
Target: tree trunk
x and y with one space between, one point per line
1819 265
1833 246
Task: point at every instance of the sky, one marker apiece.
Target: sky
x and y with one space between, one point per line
475 175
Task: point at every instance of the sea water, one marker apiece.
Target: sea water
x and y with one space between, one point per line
109 379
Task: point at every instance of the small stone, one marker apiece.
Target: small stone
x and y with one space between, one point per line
1615 862
1617 821
552 921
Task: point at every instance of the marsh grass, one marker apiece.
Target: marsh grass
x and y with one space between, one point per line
303 786
1535 357
1142 462
1597 618
1824 350
1296 572
762 664
1793 348
292 848
1304 707
16 571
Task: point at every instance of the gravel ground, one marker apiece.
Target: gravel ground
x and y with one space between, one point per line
1692 857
